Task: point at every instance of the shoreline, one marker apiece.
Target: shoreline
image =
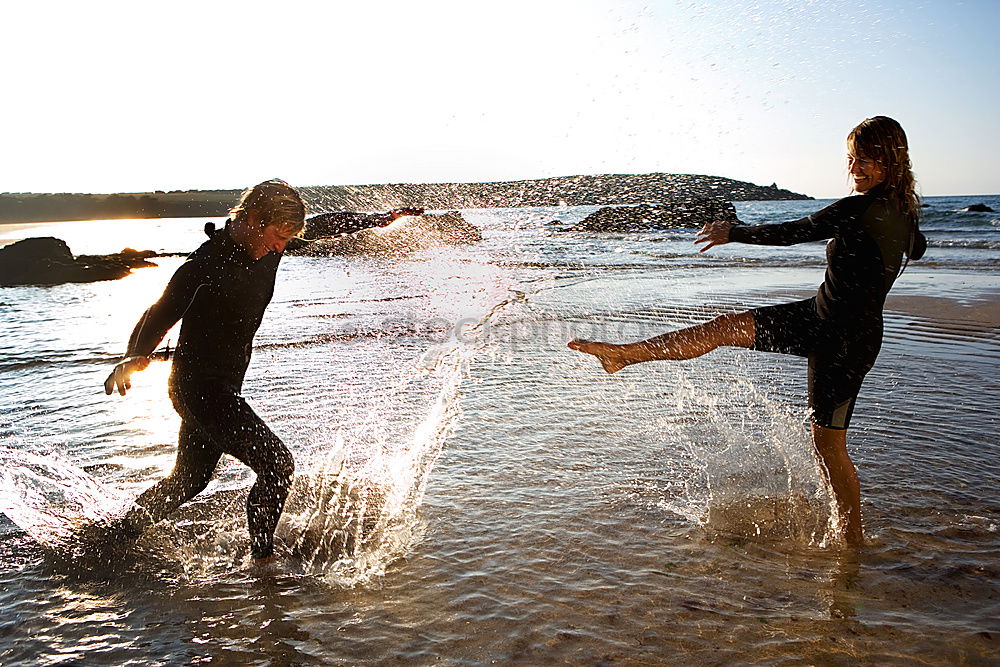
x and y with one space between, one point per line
978 306
982 310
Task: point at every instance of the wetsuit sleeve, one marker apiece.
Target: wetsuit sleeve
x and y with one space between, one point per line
158 318
823 224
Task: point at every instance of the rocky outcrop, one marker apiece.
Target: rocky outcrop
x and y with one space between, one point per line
590 190
134 259
48 261
336 223
978 208
406 234
646 217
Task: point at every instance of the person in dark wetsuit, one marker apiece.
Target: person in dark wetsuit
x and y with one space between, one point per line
840 329
219 294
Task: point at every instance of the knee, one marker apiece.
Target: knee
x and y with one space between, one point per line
732 321
721 324
281 470
192 482
829 442
286 466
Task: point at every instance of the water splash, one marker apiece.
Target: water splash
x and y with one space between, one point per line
357 510
760 478
50 498
347 519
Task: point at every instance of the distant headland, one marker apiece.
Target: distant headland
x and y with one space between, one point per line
607 189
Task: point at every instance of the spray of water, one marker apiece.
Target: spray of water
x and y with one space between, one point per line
50 498
349 515
758 477
356 511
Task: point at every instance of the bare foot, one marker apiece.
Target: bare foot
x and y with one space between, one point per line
609 354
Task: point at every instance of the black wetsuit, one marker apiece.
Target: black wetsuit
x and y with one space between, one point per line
220 295
840 329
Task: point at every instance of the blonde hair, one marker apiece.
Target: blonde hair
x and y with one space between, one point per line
882 139
276 202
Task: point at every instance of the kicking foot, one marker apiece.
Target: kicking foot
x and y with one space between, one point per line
609 354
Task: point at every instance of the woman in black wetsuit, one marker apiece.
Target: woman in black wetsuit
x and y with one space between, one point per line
840 329
219 294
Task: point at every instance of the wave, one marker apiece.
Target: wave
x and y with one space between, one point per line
13 363
971 244
299 303
36 360
961 220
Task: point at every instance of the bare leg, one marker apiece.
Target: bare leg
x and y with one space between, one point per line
725 330
831 444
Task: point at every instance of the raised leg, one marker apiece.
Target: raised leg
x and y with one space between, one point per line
735 330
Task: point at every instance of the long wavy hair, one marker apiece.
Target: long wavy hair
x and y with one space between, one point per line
277 202
882 139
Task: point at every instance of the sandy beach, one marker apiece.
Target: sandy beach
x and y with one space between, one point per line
15 231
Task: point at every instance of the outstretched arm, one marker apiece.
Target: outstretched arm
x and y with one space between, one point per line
386 219
813 228
823 224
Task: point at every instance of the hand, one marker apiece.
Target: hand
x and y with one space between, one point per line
121 376
713 234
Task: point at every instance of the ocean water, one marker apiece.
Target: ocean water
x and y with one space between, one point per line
471 492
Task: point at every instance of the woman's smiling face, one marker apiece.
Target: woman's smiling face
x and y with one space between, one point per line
865 172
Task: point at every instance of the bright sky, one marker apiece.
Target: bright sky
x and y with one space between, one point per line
109 96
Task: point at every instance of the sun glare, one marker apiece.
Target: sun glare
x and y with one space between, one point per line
395 224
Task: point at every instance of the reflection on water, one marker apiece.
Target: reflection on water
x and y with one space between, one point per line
491 496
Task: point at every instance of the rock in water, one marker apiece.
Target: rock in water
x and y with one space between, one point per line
978 208
48 261
406 234
645 217
335 223
133 259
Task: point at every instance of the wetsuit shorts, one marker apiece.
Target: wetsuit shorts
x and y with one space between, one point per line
840 354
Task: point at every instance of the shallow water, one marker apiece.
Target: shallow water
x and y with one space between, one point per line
543 511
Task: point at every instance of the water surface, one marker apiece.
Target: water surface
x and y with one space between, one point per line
538 510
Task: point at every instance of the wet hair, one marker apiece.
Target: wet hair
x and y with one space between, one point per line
278 204
882 139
